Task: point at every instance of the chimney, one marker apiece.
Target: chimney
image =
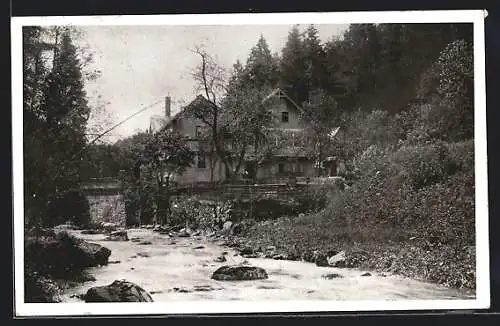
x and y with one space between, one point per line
167 106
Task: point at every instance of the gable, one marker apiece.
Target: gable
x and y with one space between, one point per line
280 97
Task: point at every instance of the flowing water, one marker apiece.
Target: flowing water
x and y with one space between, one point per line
172 268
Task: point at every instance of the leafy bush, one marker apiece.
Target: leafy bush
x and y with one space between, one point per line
71 206
198 213
423 164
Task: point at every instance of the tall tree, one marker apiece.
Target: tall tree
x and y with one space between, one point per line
245 113
293 67
66 112
315 60
261 67
34 129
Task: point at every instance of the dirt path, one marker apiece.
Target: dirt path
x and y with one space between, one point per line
173 269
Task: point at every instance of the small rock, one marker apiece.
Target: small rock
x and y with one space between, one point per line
321 260
226 227
199 247
224 253
117 236
90 232
366 274
293 256
143 254
181 290
247 251
78 296
145 243
109 227
134 256
135 239
173 242
239 273
332 276
183 234
155 292
249 255
337 260
279 257
220 259
203 288
114 262
160 228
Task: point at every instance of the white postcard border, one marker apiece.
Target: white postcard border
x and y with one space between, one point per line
482 300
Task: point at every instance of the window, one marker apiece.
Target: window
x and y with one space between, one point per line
284 116
201 161
198 132
299 168
281 168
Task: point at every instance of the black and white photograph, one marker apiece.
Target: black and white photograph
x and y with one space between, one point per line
250 163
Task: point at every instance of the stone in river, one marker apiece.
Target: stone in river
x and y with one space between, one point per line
239 273
118 291
366 274
332 276
220 259
117 236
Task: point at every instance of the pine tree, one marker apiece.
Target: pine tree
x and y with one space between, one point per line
66 114
34 126
261 67
293 67
315 60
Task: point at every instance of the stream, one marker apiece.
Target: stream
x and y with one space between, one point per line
173 268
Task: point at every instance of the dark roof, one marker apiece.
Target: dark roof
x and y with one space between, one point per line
187 109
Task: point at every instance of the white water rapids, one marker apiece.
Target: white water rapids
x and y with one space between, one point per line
172 269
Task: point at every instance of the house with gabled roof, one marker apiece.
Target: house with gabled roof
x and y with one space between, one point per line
291 159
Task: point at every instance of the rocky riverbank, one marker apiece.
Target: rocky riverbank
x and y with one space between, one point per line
288 239
182 266
56 260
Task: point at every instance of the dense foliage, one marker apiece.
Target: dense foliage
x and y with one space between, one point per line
403 95
151 162
55 117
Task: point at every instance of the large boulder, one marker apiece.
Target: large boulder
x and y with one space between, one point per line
93 254
239 273
63 254
118 291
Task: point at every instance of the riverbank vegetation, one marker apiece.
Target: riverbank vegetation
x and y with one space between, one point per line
409 160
